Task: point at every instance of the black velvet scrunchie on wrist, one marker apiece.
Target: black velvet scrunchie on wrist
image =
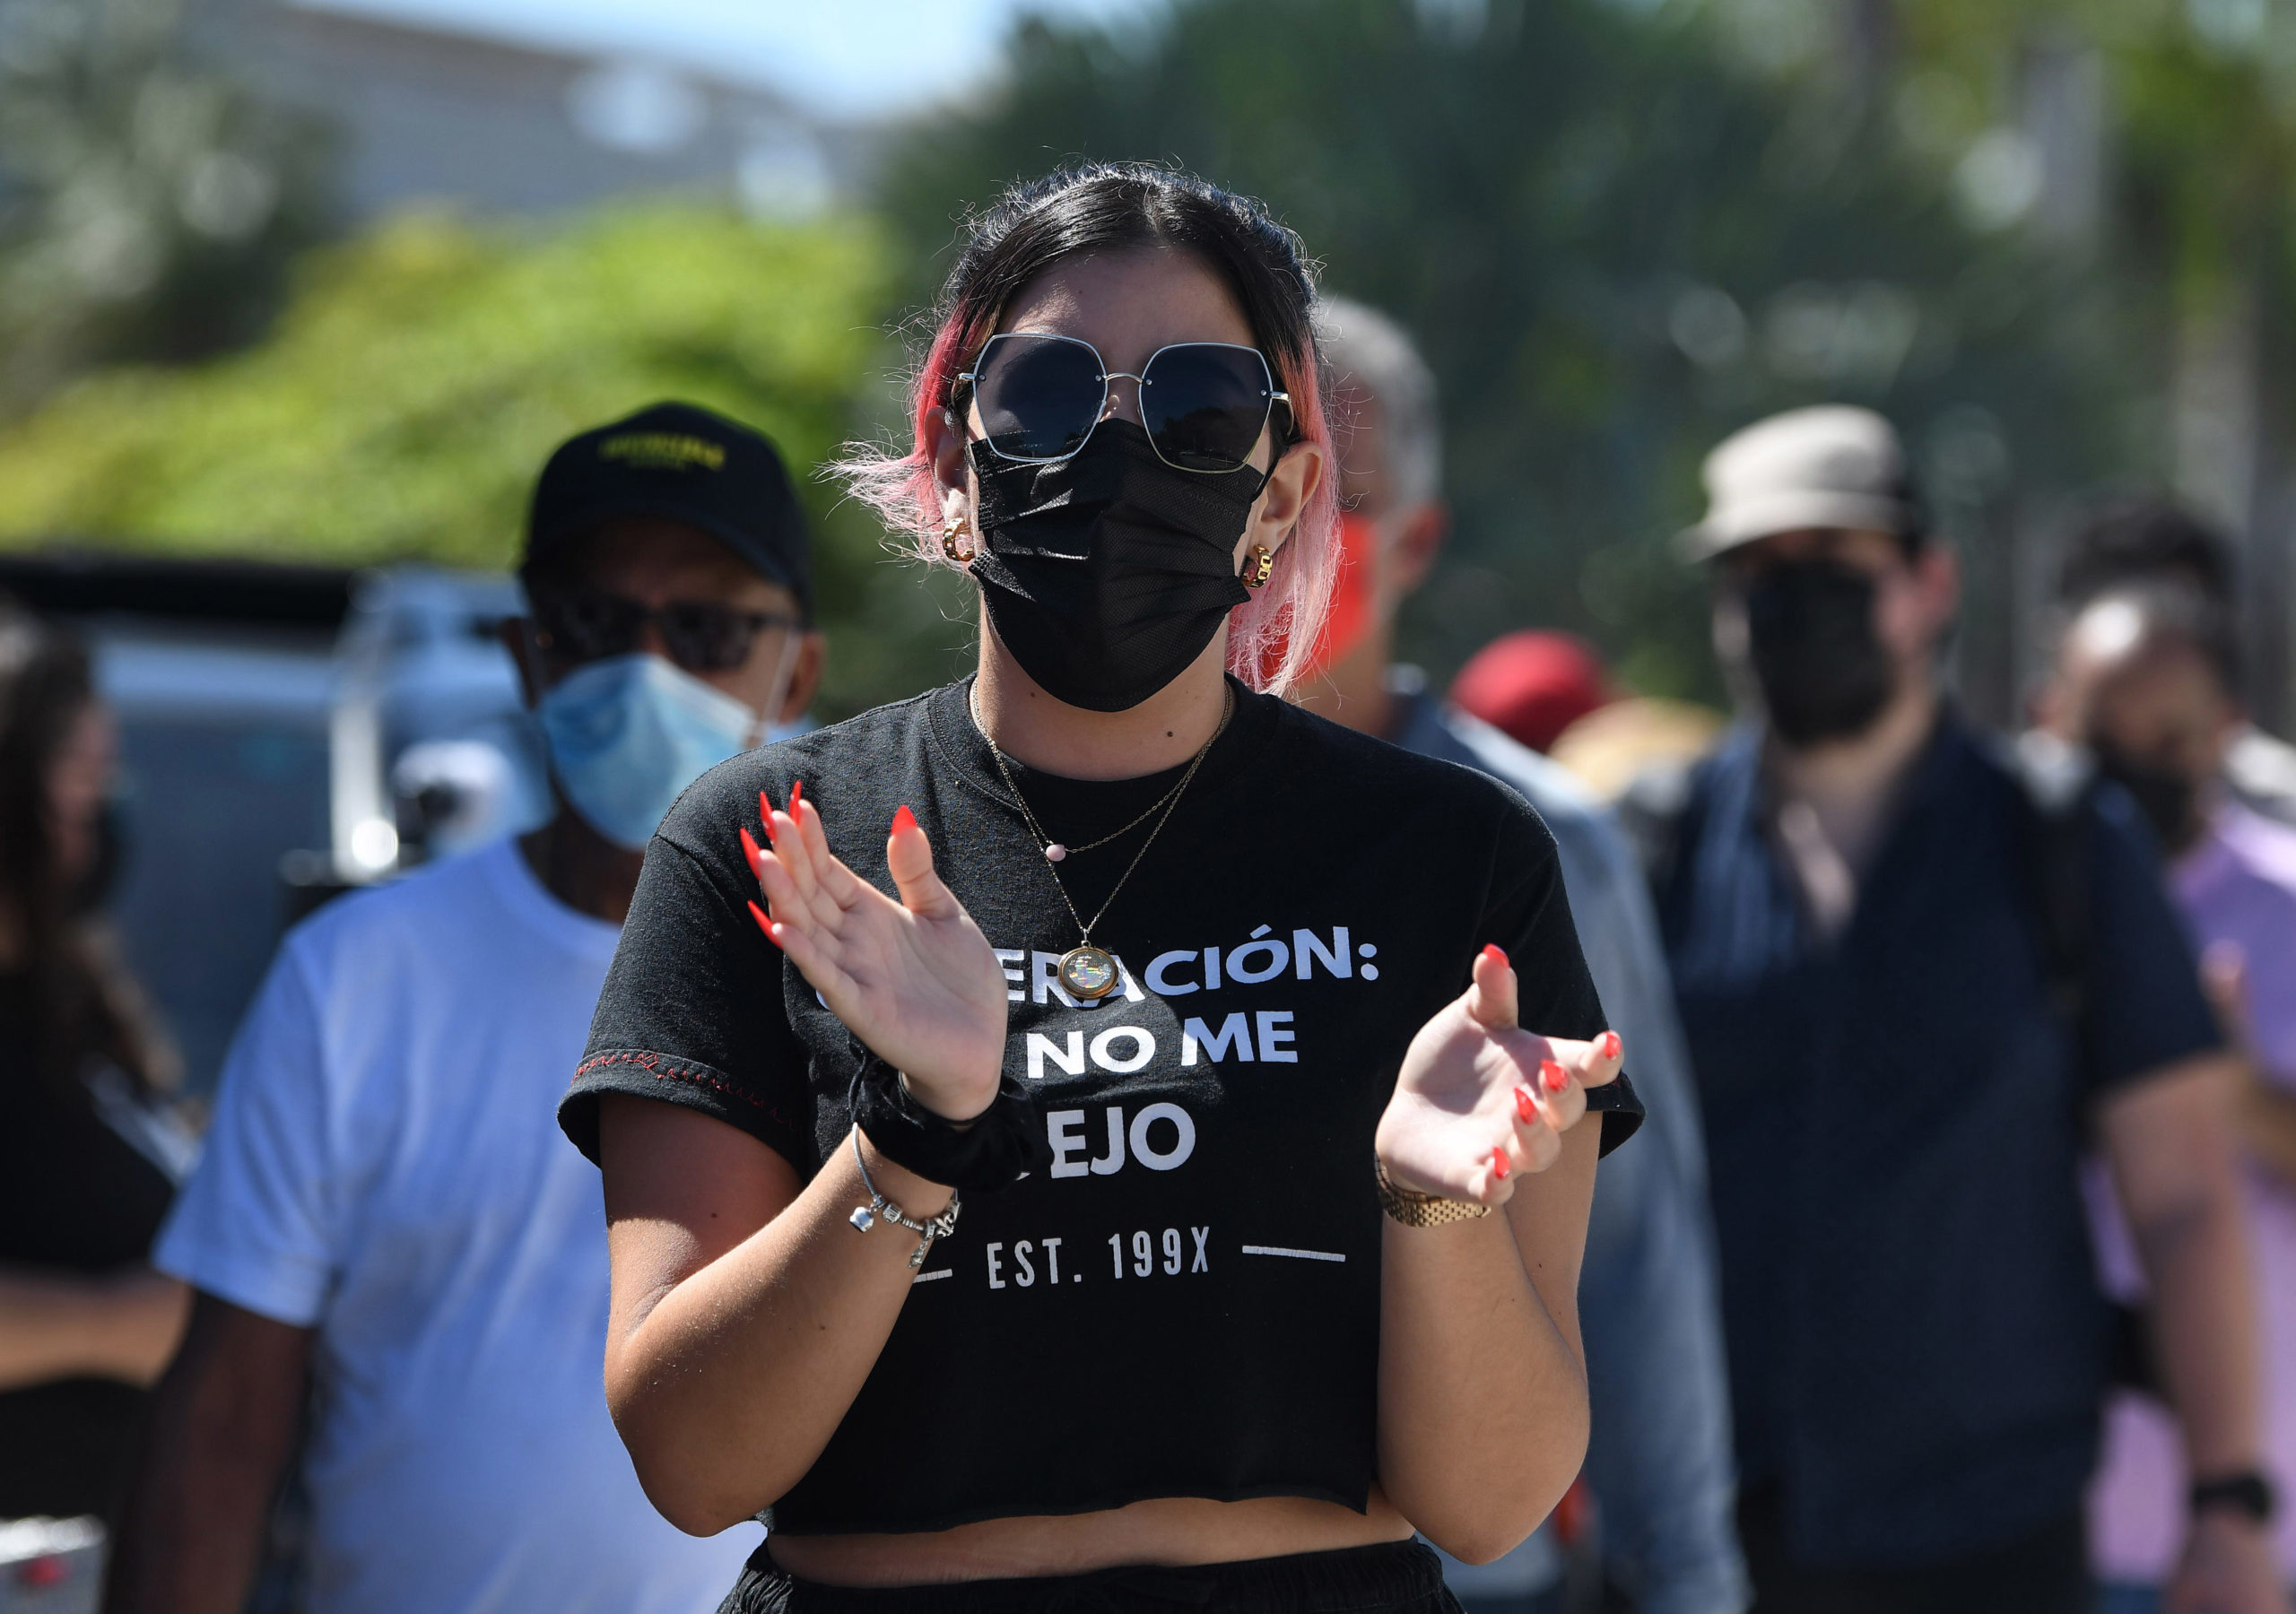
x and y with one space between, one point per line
1001 1142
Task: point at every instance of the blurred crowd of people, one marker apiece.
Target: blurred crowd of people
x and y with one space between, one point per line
1959 1268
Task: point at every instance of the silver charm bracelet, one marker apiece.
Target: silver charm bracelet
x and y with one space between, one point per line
864 1217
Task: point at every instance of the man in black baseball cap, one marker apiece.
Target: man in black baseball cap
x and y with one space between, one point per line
676 462
379 1196
668 571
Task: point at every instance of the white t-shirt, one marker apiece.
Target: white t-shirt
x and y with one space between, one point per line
385 1167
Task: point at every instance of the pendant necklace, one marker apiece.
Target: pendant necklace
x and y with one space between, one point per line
1087 971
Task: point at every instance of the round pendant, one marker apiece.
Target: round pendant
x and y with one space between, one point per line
1087 973
1055 852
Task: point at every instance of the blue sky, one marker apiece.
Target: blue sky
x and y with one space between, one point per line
847 58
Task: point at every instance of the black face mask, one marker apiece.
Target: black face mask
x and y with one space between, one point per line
1823 672
2169 802
1109 572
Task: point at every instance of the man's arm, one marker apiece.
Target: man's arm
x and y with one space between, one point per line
223 1424
2170 1138
1660 1462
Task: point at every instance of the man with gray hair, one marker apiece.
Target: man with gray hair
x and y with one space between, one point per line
1659 1459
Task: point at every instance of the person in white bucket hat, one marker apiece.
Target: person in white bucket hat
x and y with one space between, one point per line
1915 993
1829 465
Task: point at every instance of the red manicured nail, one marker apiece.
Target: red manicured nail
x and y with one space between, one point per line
749 848
1607 1044
765 812
796 790
904 819
1495 956
1527 1107
763 924
1556 1076
1498 1164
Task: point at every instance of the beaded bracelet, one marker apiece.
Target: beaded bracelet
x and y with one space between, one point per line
864 1217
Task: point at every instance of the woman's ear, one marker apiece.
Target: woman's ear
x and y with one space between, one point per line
944 443
1290 486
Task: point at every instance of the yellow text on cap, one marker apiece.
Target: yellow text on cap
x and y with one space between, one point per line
663 451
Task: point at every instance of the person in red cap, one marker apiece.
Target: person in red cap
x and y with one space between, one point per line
1532 684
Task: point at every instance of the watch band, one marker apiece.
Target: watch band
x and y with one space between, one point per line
2250 1494
1413 1209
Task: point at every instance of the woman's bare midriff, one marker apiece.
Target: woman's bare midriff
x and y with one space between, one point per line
1168 1530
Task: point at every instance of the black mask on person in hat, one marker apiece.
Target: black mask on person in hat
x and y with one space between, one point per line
1823 672
2169 802
1106 573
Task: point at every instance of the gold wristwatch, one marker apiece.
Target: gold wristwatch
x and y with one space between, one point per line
1413 1209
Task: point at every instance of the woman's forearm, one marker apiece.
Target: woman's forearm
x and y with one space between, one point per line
1483 1387
117 1325
803 1306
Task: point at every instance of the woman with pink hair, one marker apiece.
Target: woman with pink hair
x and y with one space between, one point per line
1209 1020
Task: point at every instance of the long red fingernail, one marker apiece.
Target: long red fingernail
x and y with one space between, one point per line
1556 1076
1527 1107
1607 1044
765 812
904 819
1495 956
1498 1164
749 848
796 790
763 923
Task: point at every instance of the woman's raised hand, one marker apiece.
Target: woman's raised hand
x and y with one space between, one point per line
915 979
1480 1100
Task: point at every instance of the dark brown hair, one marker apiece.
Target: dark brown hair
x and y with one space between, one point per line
1110 207
79 1003
2141 541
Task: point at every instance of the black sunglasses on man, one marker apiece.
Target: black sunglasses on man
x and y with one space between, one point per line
700 635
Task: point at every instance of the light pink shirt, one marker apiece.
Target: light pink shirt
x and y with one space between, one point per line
2236 887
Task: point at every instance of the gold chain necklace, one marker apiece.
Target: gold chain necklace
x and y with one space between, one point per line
1088 972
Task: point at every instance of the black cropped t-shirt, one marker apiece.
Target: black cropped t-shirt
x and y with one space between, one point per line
1186 1304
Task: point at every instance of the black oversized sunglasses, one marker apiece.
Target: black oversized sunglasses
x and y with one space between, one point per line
1204 403
701 635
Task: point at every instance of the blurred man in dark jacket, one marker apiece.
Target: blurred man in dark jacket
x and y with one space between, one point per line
1899 1071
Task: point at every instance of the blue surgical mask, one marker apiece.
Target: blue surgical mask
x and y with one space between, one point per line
629 733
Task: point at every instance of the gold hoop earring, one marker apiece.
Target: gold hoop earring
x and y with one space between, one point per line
1257 566
949 536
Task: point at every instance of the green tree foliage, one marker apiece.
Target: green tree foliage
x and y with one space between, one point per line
2198 125
2150 147
148 205
1615 241
421 374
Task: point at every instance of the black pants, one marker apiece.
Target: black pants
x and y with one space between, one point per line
1399 1577
2044 1573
